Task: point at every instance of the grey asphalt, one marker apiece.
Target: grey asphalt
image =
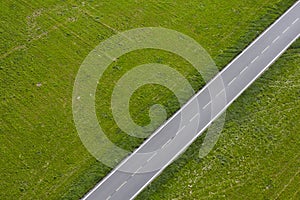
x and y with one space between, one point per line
158 151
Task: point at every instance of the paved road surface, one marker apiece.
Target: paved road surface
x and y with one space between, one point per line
142 166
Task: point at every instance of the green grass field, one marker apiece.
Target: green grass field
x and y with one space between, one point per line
42 45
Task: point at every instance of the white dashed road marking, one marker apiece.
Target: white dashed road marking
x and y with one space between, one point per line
265 49
121 185
285 30
166 143
194 117
275 39
206 105
180 130
254 59
220 92
231 81
244 70
137 170
295 21
152 157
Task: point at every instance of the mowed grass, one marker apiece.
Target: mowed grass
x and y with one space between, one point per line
42 45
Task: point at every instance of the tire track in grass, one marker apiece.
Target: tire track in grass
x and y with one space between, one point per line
84 12
53 28
295 194
12 50
286 185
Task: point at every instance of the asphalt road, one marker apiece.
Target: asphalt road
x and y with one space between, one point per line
158 151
